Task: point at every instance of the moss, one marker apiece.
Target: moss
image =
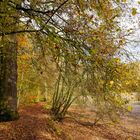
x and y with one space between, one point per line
7 114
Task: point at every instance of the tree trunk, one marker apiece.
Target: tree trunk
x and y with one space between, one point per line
8 79
8 61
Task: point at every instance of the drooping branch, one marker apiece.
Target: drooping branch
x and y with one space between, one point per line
49 13
55 11
20 7
15 32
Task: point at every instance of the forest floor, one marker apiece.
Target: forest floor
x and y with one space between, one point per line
35 124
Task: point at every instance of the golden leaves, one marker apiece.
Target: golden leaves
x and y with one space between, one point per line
23 41
25 56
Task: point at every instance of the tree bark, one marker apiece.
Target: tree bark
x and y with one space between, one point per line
8 62
8 79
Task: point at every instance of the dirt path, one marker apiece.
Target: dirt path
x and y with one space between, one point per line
35 124
136 110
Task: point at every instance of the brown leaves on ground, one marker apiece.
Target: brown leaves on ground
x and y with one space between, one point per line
35 123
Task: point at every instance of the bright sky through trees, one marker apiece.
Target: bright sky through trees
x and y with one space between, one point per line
130 21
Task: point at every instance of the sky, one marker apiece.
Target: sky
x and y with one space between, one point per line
129 21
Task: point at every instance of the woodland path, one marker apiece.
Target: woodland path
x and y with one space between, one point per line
35 124
136 110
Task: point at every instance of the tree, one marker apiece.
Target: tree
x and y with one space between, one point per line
11 13
88 48
8 67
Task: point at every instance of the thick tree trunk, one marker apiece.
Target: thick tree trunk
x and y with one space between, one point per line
8 61
8 79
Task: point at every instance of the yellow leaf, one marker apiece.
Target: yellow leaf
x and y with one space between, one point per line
118 1
81 31
127 83
117 60
111 82
124 1
129 108
122 41
134 11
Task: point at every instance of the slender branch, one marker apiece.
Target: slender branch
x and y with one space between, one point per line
19 7
56 11
15 32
